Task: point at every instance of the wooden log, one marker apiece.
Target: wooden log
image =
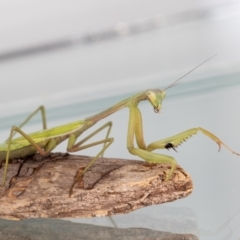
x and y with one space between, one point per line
38 187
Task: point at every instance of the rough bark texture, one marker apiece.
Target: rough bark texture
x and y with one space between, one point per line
38 187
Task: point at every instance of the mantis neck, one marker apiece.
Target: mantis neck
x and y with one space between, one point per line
125 103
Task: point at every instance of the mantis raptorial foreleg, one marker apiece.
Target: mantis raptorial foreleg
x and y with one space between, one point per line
135 129
176 140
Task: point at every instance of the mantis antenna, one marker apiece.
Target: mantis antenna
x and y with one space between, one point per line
176 82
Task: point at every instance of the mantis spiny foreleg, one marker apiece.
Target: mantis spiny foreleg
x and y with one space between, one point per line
176 140
135 129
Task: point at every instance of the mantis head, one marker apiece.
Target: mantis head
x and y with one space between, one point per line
155 97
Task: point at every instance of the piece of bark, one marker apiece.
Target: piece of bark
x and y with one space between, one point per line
39 187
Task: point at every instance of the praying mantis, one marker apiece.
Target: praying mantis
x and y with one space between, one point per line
46 140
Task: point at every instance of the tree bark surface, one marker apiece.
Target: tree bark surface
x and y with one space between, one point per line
38 187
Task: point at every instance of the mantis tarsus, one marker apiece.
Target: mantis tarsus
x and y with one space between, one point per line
46 140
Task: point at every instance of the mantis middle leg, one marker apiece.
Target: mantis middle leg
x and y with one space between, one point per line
73 147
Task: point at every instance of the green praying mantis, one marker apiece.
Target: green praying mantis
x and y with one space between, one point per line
46 140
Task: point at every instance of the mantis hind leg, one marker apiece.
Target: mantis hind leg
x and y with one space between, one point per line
9 142
44 119
49 146
73 147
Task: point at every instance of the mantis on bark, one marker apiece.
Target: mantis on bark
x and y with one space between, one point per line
46 140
